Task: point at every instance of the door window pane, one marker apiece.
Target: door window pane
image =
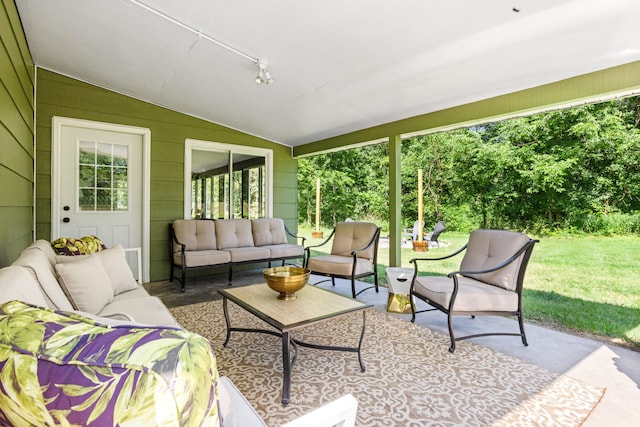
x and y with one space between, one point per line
103 177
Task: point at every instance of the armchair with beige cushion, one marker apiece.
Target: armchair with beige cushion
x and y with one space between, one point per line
489 281
354 254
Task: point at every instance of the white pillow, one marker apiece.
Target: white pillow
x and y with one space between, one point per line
86 283
115 263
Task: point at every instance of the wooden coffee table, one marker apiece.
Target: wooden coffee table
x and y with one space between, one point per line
312 305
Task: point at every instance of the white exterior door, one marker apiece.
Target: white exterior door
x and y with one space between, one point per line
99 184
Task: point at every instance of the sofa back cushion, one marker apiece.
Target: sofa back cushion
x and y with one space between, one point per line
88 373
489 248
46 248
16 283
234 233
354 235
268 231
42 270
195 234
115 264
86 284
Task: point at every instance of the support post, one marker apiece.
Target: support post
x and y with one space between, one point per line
395 201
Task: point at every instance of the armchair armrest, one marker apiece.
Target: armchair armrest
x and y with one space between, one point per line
175 240
307 250
286 229
324 242
414 261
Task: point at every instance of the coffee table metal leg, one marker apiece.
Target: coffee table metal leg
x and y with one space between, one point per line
364 319
286 368
226 319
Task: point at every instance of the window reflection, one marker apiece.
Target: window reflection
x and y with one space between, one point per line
215 195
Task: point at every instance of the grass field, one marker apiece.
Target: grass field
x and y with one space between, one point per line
585 285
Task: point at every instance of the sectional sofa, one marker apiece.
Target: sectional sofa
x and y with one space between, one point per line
90 344
200 243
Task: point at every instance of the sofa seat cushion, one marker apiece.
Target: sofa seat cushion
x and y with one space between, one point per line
338 265
472 294
40 267
202 258
286 250
16 283
74 371
248 254
145 310
138 292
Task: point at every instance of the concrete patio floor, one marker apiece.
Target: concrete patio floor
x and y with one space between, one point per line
615 368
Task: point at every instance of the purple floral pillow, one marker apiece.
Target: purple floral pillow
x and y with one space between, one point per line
64 369
83 246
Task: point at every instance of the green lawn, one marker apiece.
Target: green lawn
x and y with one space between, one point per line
587 285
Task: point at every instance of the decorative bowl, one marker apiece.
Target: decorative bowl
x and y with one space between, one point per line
286 280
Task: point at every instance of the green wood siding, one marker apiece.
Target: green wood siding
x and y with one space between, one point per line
16 136
62 96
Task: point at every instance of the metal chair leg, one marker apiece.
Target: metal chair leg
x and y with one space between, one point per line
451 336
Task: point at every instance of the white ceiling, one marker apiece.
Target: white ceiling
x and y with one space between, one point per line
338 65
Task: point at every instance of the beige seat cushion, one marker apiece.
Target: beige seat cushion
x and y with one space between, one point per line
287 250
195 234
472 294
234 233
353 235
146 310
248 254
268 231
201 258
489 248
138 292
338 265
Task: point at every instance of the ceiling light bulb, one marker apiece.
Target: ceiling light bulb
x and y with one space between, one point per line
267 77
264 76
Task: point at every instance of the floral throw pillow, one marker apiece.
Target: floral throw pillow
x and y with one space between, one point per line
64 369
83 246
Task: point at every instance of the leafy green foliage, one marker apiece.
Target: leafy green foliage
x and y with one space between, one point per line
571 170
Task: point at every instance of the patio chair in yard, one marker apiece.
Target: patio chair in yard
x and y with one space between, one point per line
432 237
435 234
354 254
489 281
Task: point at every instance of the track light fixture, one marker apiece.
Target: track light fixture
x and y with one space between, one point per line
264 76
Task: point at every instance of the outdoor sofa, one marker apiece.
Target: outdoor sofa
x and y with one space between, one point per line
90 344
206 243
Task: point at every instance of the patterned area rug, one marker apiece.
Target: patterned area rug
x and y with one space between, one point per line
411 379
